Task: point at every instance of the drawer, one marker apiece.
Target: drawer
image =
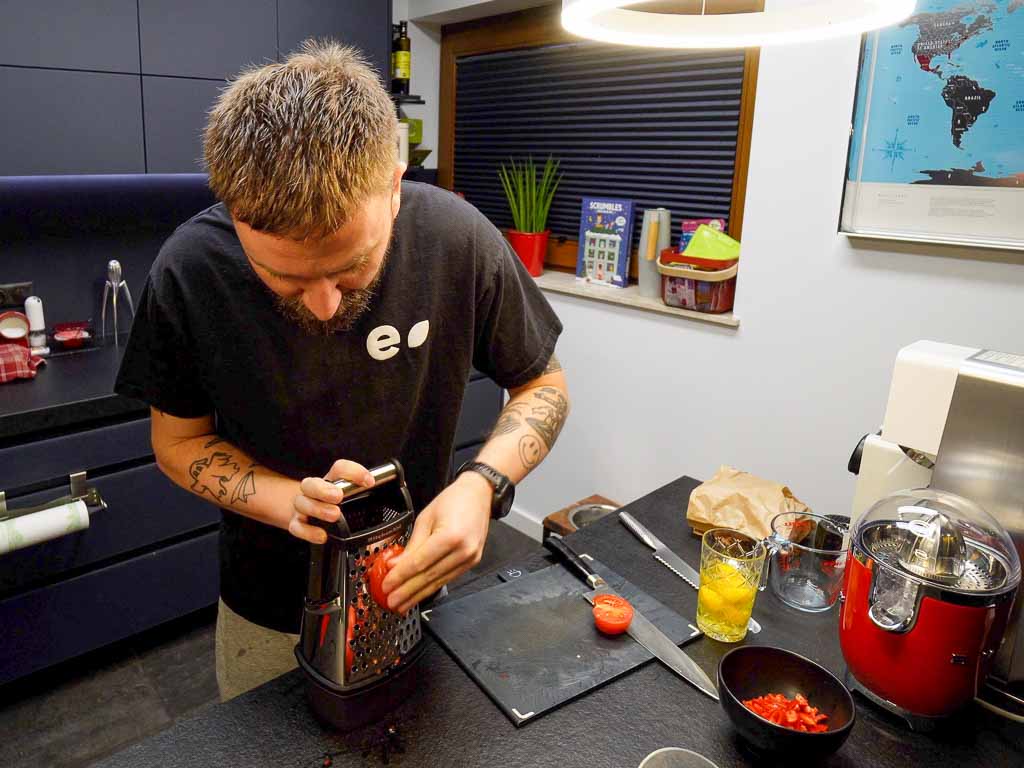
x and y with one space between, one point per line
143 509
57 457
45 626
480 408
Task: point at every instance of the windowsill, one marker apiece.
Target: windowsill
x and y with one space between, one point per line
565 283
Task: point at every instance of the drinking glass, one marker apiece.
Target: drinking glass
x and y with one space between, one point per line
731 565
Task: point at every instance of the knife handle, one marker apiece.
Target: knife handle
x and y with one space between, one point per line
557 545
639 531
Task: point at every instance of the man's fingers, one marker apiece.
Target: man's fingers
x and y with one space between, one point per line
422 587
415 560
320 489
448 562
300 528
313 508
343 469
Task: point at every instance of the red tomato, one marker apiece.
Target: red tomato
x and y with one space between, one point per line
379 569
612 614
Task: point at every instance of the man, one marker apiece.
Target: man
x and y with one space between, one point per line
320 320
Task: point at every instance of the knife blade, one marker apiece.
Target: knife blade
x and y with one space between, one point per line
640 628
670 559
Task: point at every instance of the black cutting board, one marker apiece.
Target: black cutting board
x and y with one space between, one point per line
531 644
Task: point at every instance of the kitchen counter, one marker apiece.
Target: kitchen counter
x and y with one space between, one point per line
449 721
71 389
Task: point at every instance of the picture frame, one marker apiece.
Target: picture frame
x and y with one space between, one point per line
936 151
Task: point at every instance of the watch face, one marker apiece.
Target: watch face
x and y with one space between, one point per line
503 504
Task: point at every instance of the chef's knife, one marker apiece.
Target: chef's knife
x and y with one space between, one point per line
640 628
670 559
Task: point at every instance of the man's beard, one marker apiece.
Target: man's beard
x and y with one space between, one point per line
353 305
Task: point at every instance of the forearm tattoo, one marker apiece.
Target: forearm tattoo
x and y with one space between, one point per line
213 476
548 415
544 413
510 419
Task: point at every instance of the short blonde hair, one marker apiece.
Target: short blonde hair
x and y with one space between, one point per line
295 147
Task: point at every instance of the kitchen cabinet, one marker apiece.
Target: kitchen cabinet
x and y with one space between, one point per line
366 24
206 38
100 35
175 111
67 122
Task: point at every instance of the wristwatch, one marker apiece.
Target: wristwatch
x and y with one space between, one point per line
504 490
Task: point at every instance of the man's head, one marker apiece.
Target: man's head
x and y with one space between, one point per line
302 153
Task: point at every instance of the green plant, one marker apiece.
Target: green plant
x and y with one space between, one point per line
529 198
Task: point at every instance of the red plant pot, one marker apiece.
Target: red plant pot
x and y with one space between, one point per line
531 247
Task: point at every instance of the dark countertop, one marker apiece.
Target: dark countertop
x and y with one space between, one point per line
71 389
449 721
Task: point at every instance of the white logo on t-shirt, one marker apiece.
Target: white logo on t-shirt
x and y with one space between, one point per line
384 341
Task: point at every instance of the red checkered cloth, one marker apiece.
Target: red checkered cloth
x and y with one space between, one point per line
17 363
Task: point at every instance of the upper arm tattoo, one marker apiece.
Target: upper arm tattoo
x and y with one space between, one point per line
553 366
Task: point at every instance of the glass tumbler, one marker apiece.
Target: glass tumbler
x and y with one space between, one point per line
807 557
731 565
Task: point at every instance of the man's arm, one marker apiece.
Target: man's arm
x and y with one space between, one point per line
449 536
192 455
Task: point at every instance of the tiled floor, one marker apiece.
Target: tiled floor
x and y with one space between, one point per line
75 714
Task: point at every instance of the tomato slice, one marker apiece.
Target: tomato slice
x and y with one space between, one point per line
612 614
379 570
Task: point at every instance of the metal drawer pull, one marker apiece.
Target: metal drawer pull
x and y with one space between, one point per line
27 526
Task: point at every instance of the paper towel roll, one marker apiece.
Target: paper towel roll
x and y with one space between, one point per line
34 313
654 237
38 527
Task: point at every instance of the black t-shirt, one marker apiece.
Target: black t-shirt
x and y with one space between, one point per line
208 338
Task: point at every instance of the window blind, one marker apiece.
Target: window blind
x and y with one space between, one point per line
657 127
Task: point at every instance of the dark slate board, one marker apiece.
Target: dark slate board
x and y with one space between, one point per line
531 644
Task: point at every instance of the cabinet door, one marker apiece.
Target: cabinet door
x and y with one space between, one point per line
206 38
59 121
70 34
175 114
366 24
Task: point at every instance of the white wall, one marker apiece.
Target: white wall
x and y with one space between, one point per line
787 395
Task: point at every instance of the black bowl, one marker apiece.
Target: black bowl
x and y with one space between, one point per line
754 670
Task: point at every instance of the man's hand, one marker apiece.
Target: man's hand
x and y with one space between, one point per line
447 540
319 498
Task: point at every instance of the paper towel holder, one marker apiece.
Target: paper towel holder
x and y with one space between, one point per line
80 490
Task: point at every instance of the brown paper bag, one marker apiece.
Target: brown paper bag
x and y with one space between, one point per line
741 501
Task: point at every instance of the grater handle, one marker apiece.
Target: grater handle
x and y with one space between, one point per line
382 474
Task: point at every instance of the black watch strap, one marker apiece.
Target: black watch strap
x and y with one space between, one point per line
504 490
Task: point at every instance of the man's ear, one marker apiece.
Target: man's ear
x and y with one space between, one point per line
396 188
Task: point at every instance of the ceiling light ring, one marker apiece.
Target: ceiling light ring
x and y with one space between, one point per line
612 21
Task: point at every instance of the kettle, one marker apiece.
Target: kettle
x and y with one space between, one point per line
360 660
927 596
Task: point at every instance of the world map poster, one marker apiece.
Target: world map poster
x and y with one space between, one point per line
937 146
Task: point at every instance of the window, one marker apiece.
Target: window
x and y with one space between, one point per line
668 128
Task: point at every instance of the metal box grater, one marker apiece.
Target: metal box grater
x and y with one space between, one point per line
356 655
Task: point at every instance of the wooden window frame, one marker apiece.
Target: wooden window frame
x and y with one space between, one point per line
541 26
